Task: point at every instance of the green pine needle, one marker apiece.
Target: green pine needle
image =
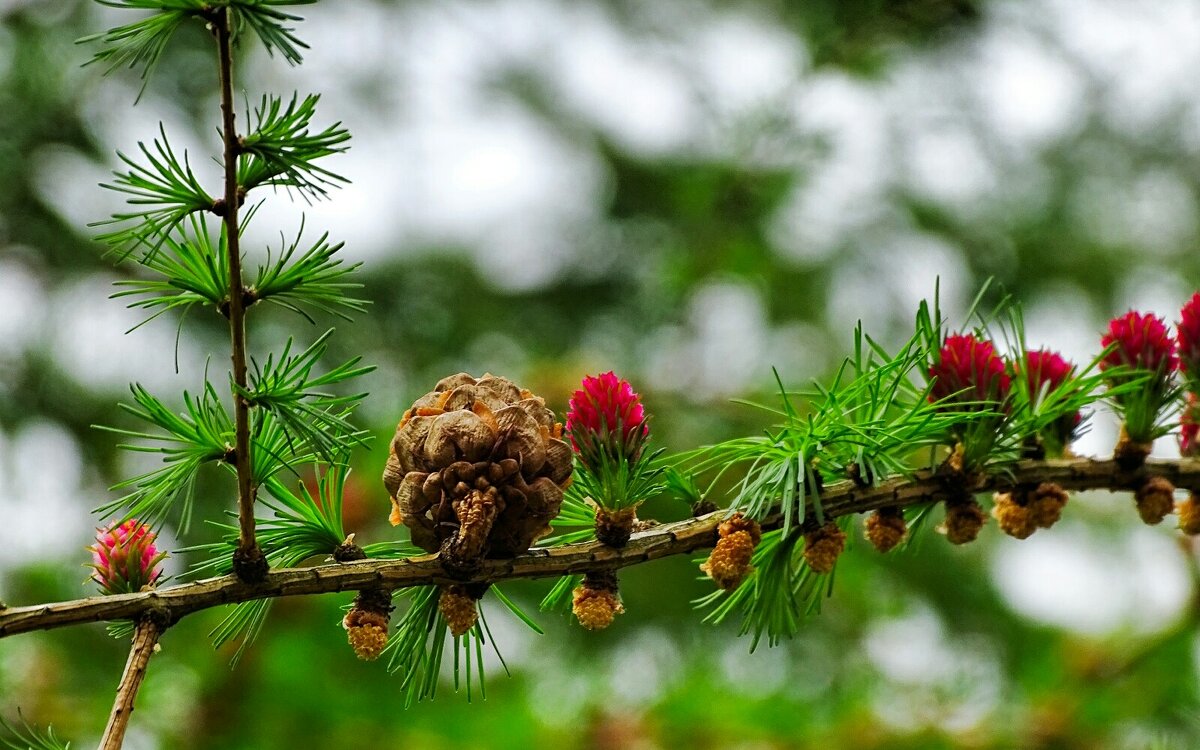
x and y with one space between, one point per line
558 599
417 647
24 736
280 150
288 388
269 24
194 270
164 192
199 435
576 519
778 595
121 630
312 279
616 483
141 43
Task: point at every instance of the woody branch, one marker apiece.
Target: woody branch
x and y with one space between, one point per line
681 537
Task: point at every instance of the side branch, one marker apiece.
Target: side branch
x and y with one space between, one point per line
249 563
145 639
681 537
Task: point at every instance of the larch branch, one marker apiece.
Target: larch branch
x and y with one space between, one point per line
145 639
677 538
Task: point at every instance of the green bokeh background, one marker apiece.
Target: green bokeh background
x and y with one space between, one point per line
688 248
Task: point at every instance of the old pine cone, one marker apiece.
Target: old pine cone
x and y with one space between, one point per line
477 470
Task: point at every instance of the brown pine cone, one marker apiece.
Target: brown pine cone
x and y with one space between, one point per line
477 470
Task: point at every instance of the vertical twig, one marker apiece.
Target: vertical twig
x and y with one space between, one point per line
248 560
145 639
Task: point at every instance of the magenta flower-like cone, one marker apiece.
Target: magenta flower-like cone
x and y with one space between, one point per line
606 413
1142 342
124 558
1046 371
1188 337
969 370
1139 341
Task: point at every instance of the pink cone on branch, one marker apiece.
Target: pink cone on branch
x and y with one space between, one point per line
968 369
1046 371
1142 342
607 414
1188 337
124 558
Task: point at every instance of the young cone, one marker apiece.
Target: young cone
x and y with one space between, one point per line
124 558
1045 504
606 424
1187 335
968 371
1139 341
606 414
968 374
1045 372
1189 427
459 608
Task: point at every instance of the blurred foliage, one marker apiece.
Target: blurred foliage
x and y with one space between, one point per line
978 673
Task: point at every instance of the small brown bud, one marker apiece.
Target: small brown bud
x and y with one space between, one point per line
459 609
823 546
1130 455
1189 514
1045 504
703 508
614 527
348 551
729 563
1013 518
885 528
596 602
1155 499
964 519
